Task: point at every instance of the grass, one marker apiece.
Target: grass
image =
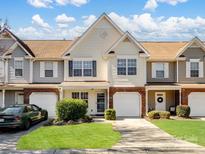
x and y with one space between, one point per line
189 130
82 136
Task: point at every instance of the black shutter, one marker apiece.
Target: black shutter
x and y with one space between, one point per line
94 68
70 66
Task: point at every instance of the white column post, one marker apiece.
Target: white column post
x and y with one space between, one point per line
65 70
146 100
3 98
6 71
31 71
61 93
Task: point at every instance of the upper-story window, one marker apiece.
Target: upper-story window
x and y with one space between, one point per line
126 66
82 68
194 68
48 69
18 66
160 70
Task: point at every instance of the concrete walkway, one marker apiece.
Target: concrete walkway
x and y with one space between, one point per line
139 135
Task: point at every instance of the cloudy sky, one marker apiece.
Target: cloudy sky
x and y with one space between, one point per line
66 19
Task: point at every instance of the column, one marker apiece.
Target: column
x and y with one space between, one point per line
3 98
6 71
31 71
61 93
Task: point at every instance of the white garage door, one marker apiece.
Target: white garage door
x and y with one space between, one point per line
45 100
127 104
196 101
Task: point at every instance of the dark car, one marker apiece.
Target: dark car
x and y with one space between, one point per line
21 116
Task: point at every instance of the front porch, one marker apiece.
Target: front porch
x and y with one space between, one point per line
163 97
94 93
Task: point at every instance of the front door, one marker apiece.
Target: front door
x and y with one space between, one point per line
160 101
100 102
19 98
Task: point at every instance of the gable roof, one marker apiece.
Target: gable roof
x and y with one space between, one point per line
129 36
46 49
18 41
189 44
163 51
104 15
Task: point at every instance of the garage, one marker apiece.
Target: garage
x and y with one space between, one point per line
45 100
127 104
196 101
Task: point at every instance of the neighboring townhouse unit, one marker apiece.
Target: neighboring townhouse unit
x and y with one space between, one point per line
106 67
175 75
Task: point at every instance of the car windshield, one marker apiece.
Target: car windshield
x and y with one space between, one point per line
12 110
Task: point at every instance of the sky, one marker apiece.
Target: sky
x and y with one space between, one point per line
147 20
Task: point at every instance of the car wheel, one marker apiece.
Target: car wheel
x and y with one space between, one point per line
27 124
45 117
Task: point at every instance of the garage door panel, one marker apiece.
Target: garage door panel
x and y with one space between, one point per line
196 101
127 104
45 100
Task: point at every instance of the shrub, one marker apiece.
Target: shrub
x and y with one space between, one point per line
71 109
164 114
110 114
183 111
153 115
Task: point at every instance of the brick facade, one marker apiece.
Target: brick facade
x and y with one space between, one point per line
185 93
140 90
28 91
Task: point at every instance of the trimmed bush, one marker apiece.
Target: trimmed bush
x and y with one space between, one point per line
71 109
164 114
110 114
153 115
183 111
159 115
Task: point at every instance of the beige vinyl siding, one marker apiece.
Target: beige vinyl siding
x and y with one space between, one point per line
127 50
191 53
172 73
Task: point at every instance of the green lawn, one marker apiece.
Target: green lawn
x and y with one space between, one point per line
90 135
189 130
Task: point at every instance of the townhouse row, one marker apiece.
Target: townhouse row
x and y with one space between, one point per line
106 67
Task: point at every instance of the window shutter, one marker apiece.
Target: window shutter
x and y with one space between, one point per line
1 68
55 69
70 66
94 68
201 69
166 69
188 69
153 70
42 69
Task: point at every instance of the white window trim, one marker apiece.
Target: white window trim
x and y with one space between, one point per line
83 60
80 94
55 69
22 60
188 68
154 69
126 57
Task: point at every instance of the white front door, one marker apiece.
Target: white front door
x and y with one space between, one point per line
19 98
160 101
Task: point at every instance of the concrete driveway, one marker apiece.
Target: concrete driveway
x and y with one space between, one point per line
9 138
139 135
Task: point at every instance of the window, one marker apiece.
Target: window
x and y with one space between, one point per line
80 95
121 66
126 66
194 69
160 70
82 68
18 64
48 69
131 66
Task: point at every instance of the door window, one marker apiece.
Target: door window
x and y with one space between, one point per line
100 102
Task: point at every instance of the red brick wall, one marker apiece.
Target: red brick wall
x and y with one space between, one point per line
27 92
140 90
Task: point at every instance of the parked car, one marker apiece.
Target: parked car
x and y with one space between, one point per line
21 116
